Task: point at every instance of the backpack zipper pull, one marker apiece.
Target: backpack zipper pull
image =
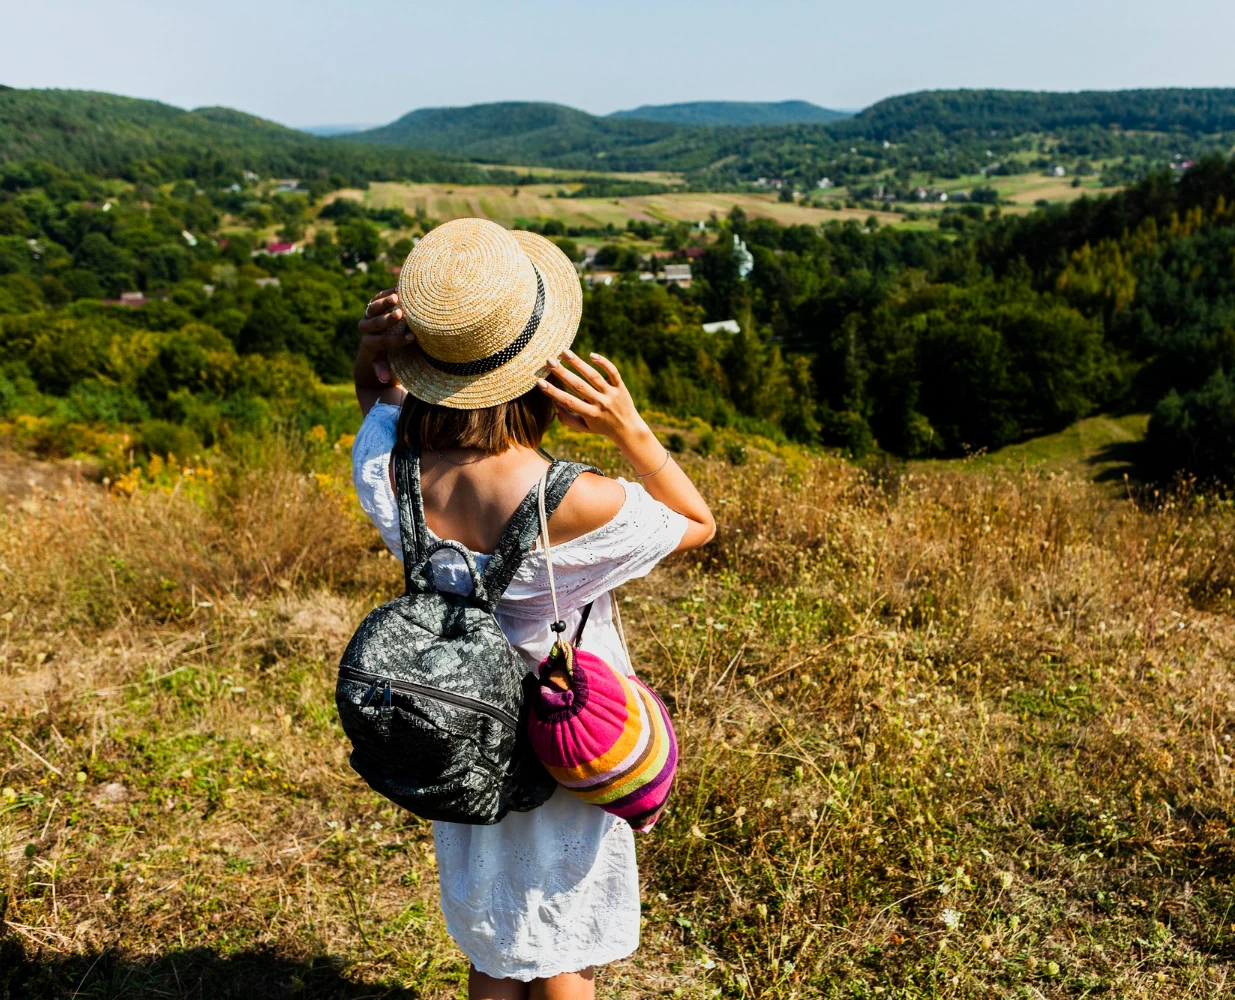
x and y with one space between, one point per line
368 696
386 696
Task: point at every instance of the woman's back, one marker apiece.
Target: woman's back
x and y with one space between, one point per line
604 533
470 497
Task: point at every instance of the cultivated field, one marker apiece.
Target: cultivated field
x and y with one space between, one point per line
945 735
1025 189
444 202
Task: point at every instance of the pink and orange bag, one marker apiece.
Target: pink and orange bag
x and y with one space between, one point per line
602 734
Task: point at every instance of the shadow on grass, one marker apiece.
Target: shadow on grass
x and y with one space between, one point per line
193 974
1119 459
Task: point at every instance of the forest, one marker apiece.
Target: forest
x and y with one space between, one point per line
897 143
104 135
909 342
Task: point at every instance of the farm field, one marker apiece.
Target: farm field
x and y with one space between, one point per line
1025 189
444 202
960 732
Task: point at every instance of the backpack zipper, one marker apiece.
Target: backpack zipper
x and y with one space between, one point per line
432 693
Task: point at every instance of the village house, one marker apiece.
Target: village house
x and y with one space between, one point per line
722 326
132 300
677 274
277 249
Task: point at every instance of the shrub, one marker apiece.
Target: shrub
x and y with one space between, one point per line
1195 431
158 437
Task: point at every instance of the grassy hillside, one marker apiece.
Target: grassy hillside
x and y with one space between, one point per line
113 136
734 113
1101 448
954 735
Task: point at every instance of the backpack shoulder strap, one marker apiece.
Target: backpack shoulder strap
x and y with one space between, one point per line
413 531
524 527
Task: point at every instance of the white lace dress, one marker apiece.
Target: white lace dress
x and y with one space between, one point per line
555 889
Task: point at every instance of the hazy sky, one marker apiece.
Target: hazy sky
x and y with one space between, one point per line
314 62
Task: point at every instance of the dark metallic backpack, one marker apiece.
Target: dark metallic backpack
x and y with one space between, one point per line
430 692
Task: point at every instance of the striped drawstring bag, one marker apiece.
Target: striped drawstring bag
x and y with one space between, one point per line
602 734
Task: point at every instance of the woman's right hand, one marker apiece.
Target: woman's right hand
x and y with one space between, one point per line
380 333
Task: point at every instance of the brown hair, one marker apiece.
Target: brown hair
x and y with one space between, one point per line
494 429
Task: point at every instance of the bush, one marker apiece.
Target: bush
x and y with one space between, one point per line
1195 432
569 247
618 257
675 443
158 437
735 453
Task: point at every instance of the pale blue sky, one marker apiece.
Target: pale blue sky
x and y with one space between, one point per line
316 62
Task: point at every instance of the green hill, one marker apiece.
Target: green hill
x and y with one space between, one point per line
734 113
108 135
518 132
1194 110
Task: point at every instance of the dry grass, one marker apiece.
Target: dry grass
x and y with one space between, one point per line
945 735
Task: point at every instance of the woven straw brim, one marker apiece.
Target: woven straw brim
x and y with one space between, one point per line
556 332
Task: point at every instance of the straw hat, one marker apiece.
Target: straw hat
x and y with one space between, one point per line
487 307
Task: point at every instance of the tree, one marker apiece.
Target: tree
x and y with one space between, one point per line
358 240
112 265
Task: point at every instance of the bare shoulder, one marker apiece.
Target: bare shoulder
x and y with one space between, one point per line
591 502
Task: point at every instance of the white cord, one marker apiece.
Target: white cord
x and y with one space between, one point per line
544 543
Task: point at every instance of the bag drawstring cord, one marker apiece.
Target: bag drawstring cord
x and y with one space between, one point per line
558 626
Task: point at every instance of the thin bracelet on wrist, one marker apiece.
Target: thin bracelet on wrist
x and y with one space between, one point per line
660 468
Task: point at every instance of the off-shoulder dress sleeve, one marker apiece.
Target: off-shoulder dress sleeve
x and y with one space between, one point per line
633 541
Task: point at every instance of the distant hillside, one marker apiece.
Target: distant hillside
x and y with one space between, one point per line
123 136
517 132
944 133
1197 110
734 113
